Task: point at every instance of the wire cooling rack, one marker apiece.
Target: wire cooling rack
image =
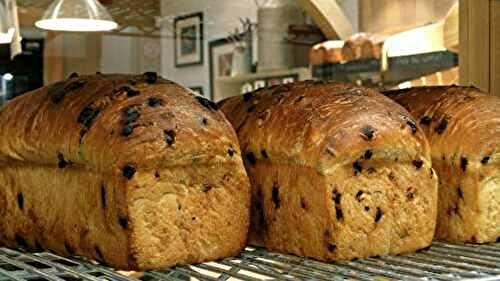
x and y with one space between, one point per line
443 261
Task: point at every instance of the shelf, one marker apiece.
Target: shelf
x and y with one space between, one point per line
231 86
400 68
253 76
443 261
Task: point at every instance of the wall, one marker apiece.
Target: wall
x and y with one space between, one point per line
220 18
389 16
87 53
65 53
118 54
130 54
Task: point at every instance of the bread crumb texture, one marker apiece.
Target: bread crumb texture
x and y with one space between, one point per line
131 170
338 172
462 125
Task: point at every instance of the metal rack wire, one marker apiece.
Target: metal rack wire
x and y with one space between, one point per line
443 261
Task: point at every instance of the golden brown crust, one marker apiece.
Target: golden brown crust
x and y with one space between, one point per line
323 157
462 125
306 123
87 124
132 170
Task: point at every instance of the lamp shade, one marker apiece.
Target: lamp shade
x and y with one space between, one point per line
76 15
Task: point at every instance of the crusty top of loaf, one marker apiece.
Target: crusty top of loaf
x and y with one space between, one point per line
460 122
108 122
324 125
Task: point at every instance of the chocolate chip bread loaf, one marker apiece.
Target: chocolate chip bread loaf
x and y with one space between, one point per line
463 128
133 171
338 172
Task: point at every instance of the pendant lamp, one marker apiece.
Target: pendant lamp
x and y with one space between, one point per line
76 15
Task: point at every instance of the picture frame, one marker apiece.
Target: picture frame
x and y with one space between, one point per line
188 39
221 53
220 60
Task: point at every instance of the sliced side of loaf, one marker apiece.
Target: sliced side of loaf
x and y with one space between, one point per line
338 171
462 125
133 171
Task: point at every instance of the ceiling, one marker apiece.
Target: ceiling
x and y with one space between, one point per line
133 17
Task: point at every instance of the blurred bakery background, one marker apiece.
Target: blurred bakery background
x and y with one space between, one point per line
220 48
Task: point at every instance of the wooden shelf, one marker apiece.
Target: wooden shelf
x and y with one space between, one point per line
231 86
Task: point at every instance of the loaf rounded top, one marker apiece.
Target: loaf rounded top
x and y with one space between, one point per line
114 123
324 125
461 123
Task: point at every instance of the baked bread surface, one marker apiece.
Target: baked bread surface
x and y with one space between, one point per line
337 171
462 125
131 170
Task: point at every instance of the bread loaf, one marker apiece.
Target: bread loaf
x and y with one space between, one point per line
338 171
326 52
363 46
462 125
133 171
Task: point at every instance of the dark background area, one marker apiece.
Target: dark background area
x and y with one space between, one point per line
27 67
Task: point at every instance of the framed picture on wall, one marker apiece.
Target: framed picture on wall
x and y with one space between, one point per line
221 52
188 39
